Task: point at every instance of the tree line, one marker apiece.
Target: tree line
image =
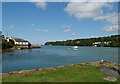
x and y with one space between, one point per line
114 42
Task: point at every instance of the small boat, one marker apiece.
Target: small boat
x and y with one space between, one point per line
18 48
50 44
75 47
69 48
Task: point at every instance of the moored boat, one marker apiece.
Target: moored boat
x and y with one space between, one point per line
75 47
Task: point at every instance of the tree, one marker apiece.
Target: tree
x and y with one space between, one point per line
89 42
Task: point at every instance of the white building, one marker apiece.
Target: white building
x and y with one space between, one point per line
97 43
19 42
78 41
102 43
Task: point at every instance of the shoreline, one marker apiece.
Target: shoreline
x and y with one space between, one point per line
16 48
83 46
97 63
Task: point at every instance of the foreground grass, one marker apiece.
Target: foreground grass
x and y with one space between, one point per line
67 74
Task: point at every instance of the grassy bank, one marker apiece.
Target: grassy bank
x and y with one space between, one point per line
66 74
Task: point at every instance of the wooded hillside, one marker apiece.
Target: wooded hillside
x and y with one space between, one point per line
114 39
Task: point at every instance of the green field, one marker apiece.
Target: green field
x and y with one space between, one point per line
66 74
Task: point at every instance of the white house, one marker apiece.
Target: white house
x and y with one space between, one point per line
78 41
19 42
97 43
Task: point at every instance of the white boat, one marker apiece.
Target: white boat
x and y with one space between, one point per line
69 48
75 47
18 48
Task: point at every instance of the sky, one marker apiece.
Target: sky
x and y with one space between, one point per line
39 22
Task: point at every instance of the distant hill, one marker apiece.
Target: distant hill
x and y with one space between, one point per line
109 41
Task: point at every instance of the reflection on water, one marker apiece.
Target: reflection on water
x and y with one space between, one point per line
52 56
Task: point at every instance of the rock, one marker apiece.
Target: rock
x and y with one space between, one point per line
95 64
110 72
51 68
110 78
11 54
40 69
77 65
98 61
71 65
14 72
60 66
24 71
108 64
116 67
35 46
33 70
119 67
83 63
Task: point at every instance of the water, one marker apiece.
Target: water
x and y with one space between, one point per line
52 56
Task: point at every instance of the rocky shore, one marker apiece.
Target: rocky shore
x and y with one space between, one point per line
108 68
19 48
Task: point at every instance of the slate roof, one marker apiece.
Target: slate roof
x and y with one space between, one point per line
20 40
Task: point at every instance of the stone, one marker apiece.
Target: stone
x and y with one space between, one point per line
77 65
40 69
110 72
108 64
50 68
83 63
115 67
61 66
119 67
95 64
98 61
71 65
14 72
34 70
24 71
110 78
11 54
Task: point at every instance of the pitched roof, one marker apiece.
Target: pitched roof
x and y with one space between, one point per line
20 40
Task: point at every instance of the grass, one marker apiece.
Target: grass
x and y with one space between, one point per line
67 74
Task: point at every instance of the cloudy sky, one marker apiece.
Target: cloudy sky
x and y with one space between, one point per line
39 22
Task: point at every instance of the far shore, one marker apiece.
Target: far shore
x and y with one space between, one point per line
15 48
84 46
